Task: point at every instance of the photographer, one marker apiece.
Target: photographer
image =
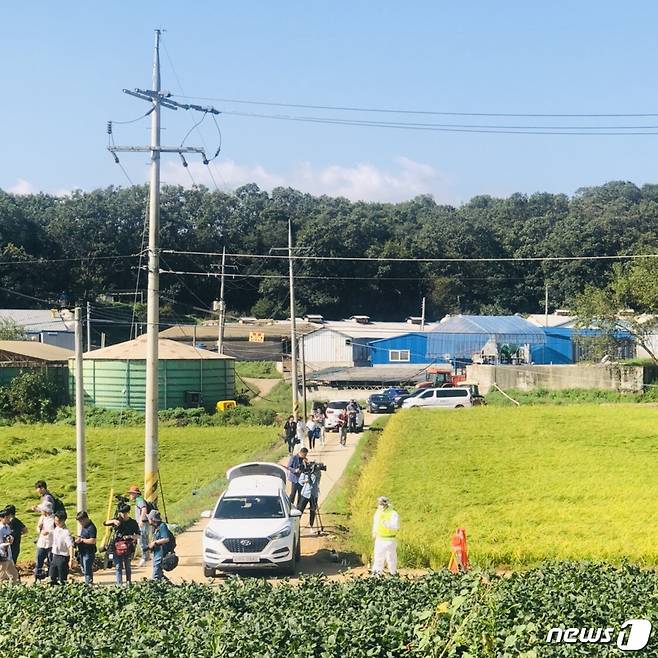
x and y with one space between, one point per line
7 566
295 467
310 488
352 411
86 545
141 513
126 536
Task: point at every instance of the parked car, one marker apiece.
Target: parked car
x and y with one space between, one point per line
448 398
380 404
393 391
399 399
333 411
253 524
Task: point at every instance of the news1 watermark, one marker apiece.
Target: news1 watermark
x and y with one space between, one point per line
632 635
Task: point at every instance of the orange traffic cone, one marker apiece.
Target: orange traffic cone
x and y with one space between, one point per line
459 558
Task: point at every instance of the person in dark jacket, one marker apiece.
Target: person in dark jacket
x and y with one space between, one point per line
295 467
290 430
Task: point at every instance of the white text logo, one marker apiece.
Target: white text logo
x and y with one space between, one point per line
632 635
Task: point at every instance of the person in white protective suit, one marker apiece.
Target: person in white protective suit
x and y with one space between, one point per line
385 525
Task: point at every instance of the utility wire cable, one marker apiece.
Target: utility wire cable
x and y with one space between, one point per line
344 108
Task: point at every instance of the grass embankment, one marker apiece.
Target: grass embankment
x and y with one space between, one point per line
528 484
257 369
193 461
571 396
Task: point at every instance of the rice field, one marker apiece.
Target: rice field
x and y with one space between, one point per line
529 483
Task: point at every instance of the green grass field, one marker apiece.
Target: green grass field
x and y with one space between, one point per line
193 461
527 484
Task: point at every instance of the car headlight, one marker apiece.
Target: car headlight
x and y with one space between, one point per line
211 534
284 532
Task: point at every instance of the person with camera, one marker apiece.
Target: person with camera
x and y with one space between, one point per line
7 566
342 428
45 528
160 545
86 545
62 551
309 481
295 467
126 536
141 513
385 526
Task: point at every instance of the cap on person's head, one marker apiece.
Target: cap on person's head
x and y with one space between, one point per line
46 507
134 489
154 516
11 509
81 516
383 500
40 484
123 508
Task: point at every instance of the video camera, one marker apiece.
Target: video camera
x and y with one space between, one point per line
314 467
121 499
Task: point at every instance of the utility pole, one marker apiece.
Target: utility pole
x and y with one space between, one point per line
293 327
422 315
303 357
88 326
80 448
222 308
546 305
158 100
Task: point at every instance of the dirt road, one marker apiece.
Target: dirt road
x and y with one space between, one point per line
317 556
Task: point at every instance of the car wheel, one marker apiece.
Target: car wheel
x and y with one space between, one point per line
459 406
209 572
288 568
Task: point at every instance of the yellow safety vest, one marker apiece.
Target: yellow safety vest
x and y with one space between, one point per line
382 531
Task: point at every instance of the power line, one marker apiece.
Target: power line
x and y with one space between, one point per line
344 108
67 260
385 259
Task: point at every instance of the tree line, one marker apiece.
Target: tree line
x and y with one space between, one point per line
40 233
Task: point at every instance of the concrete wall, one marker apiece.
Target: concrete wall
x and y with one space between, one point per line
607 377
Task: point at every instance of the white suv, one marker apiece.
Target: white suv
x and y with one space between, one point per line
334 409
447 398
253 525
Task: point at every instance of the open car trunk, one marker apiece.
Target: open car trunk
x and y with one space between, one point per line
257 468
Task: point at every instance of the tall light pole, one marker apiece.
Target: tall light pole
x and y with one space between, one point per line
222 308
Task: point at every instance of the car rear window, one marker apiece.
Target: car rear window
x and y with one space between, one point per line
337 405
250 507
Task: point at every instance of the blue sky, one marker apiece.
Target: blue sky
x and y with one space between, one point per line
64 65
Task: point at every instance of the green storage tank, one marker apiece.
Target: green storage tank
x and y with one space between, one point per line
115 377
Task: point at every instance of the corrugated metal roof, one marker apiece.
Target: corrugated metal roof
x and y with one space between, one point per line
36 320
376 374
554 320
135 350
372 330
234 330
31 349
487 324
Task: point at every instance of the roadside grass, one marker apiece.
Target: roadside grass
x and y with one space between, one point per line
279 399
570 396
193 461
257 369
528 484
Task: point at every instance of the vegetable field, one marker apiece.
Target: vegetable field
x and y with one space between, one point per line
528 484
476 615
193 461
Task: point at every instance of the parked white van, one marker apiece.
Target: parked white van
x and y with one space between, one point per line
448 398
253 525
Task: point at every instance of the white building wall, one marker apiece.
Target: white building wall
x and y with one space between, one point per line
325 348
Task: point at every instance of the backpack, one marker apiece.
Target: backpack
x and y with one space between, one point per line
58 505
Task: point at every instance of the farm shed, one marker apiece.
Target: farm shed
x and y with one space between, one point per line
19 356
408 348
50 326
347 343
115 377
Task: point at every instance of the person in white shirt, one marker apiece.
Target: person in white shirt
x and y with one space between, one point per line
385 526
301 434
62 551
311 430
7 567
319 417
45 528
